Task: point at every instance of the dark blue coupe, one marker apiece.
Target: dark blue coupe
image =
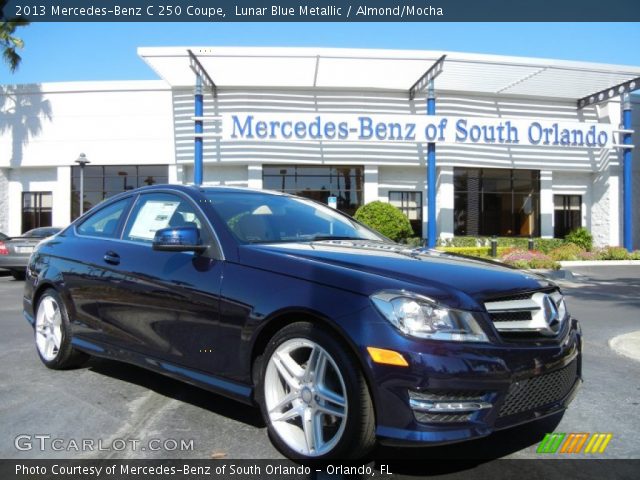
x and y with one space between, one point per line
341 336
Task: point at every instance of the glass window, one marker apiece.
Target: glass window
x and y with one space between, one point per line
36 210
105 221
496 180
101 182
318 182
567 214
496 202
161 210
410 203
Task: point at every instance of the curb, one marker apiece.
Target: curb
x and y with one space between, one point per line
597 263
627 345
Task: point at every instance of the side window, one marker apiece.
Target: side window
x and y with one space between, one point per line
105 221
161 210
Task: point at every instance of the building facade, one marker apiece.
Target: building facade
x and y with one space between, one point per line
142 132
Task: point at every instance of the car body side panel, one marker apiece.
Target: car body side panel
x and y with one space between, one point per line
250 305
164 304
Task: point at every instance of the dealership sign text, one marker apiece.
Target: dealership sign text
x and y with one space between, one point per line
288 127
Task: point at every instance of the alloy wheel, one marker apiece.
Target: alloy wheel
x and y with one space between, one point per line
48 328
305 397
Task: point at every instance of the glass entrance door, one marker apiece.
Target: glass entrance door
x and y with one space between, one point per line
36 210
567 214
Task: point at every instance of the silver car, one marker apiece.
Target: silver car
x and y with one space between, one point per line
15 252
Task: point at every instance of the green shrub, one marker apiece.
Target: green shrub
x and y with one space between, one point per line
482 252
581 237
386 219
414 242
635 255
584 255
513 242
614 253
542 244
527 259
465 242
545 245
568 251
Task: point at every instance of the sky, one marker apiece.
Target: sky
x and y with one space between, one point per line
56 52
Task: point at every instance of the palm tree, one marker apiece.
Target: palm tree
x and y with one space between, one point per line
9 43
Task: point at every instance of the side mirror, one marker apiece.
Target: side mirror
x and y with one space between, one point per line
178 239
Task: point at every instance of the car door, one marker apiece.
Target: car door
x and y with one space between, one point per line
164 304
81 267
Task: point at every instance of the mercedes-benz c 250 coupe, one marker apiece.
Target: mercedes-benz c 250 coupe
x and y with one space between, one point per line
340 336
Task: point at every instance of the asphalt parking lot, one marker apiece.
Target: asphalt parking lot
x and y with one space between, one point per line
108 401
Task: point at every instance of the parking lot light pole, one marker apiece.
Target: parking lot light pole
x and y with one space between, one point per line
82 161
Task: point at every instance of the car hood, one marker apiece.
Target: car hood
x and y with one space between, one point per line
366 267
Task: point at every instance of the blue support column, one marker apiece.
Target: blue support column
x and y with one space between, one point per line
197 151
431 175
627 174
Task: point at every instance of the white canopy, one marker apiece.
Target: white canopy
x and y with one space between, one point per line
385 70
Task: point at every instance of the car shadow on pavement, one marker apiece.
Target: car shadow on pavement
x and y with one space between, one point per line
423 461
428 461
178 390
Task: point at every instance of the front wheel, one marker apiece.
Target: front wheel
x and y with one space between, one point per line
313 396
52 334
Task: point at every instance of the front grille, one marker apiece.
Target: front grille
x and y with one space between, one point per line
536 392
510 316
425 417
528 316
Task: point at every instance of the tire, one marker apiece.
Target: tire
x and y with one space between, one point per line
52 334
322 412
19 274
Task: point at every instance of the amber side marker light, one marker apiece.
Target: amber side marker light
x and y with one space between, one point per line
387 357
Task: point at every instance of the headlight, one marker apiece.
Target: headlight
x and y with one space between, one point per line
421 317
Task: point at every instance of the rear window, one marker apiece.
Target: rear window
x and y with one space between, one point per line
105 221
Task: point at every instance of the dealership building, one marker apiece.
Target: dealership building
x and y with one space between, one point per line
464 144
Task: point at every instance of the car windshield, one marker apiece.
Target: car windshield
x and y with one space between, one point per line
255 217
40 232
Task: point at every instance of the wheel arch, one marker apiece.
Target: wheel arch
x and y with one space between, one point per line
281 319
45 285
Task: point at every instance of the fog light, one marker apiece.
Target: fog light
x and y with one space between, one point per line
387 357
450 402
447 407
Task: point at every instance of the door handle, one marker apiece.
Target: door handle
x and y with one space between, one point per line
112 257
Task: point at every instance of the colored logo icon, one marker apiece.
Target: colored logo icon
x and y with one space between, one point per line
574 443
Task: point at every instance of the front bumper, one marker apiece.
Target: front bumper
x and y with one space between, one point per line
454 392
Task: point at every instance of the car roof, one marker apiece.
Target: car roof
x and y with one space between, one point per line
191 190
204 189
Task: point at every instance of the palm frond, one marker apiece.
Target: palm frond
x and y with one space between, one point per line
12 58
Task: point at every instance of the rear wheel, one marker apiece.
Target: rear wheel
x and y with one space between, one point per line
52 334
313 397
19 274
